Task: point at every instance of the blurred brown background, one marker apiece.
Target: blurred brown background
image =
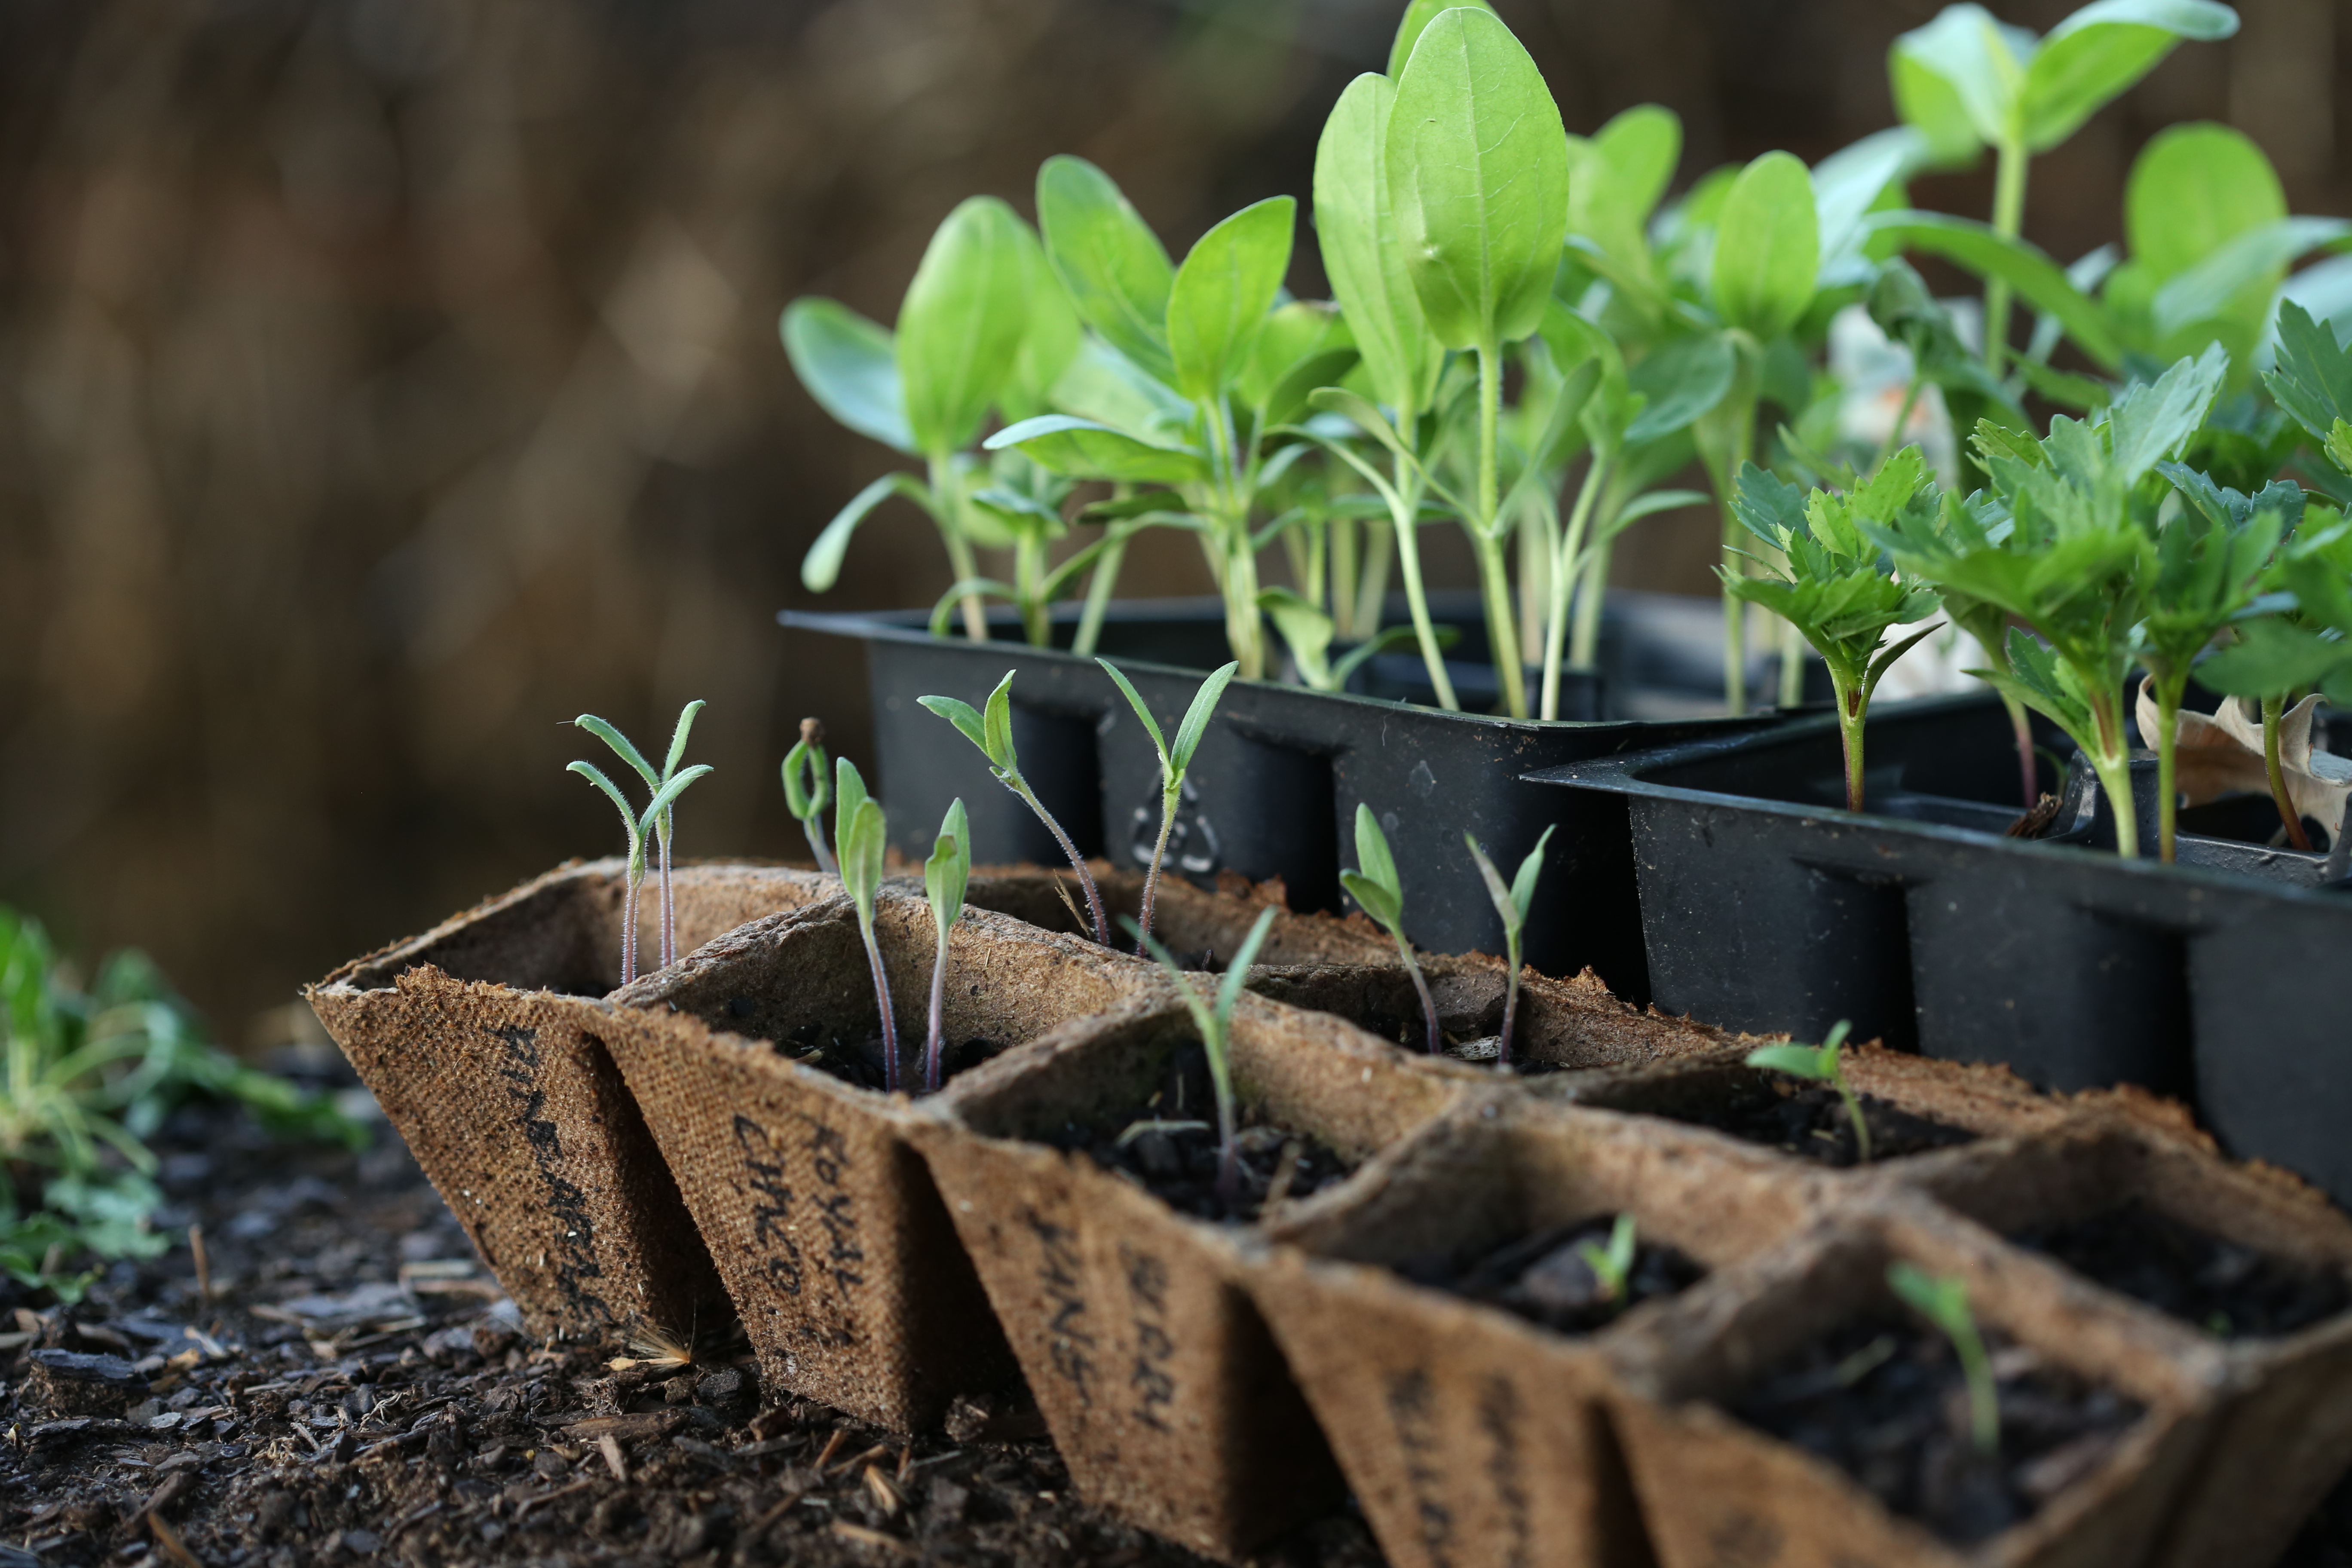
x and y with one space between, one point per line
383 381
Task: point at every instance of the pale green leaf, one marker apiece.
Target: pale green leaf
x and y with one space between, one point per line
1354 228
1223 293
1418 15
961 322
850 365
1766 246
2097 53
821 567
1117 271
1087 450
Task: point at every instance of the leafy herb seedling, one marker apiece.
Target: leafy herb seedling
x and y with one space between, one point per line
1512 901
1611 1266
808 790
1825 1063
993 733
1833 590
1380 892
657 821
1173 761
1214 1020
1944 1301
945 876
859 830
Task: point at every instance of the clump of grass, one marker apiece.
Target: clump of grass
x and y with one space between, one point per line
992 731
1174 759
808 791
1213 1018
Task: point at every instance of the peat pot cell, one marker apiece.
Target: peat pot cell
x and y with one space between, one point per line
1807 1403
1080 1173
1453 1337
2237 1257
757 1062
1771 1110
1562 1025
1198 925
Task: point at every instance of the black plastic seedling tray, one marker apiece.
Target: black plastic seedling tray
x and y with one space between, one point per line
1766 906
1274 789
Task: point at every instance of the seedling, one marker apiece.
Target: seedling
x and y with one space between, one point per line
808 790
1173 762
1512 901
1214 1019
1612 1266
945 876
859 829
1943 1301
1307 630
1380 893
993 733
658 814
1825 1063
1833 588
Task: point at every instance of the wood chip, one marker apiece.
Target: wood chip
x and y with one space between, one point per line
608 1445
879 1450
885 1496
864 1537
523 1508
833 1446
168 1542
627 1428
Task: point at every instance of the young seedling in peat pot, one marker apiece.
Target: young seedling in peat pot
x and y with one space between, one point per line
1833 588
1214 1018
1825 1063
1612 1266
658 814
1380 892
1173 762
655 819
1512 902
1944 1301
993 733
945 876
808 790
859 830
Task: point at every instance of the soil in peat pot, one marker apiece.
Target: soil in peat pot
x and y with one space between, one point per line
1886 1401
354 1392
1167 1146
1544 1278
862 1063
2229 1291
1809 1120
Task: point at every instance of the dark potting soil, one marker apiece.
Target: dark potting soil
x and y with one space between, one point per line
1884 1401
360 1395
2228 1290
1167 1146
1544 1278
1809 1120
862 1064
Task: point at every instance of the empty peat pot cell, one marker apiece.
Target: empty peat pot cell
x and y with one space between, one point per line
1117 1265
2243 1259
752 1061
465 1038
1452 1327
1894 1391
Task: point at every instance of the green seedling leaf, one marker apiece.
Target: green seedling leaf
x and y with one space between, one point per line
821 567
1681 380
1355 228
1050 337
678 735
962 323
1825 1063
2314 378
1223 291
1766 246
1088 449
947 872
1143 712
2193 189
850 366
1957 80
1118 273
1512 903
1612 1266
1196 717
669 791
2241 276
1418 15
1944 1301
2039 281
963 716
595 775
1307 631
1477 168
622 747
2153 421
1375 865
2094 56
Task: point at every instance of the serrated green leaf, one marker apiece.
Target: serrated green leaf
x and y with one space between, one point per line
849 364
1477 168
1223 291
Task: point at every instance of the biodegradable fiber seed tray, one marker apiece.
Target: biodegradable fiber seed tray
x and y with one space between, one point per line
820 1215
518 1118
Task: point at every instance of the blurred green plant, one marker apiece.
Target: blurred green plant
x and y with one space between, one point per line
90 1076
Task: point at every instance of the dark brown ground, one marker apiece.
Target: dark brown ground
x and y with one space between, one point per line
1544 1277
410 1425
1811 1121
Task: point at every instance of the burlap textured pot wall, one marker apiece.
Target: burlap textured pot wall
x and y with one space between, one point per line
821 1217
1163 1390
520 1121
1470 1436
1715 1490
2285 1437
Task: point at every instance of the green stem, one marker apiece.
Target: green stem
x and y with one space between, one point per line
1168 802
882 1003
1735 626
1538 536
1420 984
1244 627
1101 583
2111 763
1494 571
2170 689
1893 442
1028 586
1345 567
932 1052
1853 1113
2008 220
1563 581
1853 708
1792 665
2274 708
1408 490
1019 786
1584 642
947 494
1372 586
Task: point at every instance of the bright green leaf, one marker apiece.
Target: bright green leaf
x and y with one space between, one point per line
850 366
1417 18
961 322
1115 269
1766 246
1354 228
2097 53
1223 293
